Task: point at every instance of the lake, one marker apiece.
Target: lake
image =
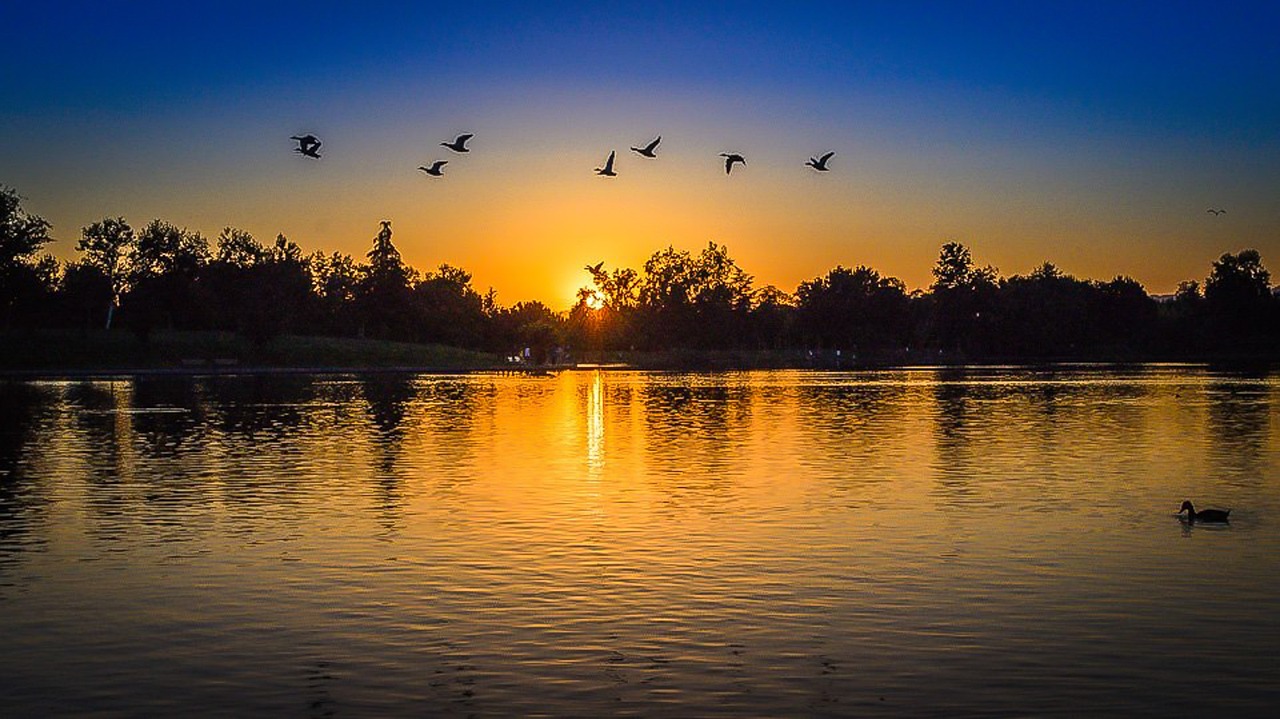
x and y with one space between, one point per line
918 542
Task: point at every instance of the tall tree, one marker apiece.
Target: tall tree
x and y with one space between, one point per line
21 237
278 292
165 266
385 290
1238 296
962 298
854 309
106 245
447 309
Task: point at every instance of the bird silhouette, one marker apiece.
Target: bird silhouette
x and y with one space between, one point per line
1216 211
436 169
308 145
820 163
730 158
594 269
607 170
460 143
647 150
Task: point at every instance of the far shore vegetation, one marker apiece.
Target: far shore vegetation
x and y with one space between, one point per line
164 298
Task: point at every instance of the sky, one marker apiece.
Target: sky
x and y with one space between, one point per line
1091 134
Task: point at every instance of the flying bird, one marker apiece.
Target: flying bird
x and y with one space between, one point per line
460 143
647 150
594 269
308 145
607 170
436 169
820 163
1216 211
730 158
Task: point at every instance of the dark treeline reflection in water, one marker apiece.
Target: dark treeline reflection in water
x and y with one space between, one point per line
995 541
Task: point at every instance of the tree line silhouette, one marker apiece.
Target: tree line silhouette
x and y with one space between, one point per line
166 277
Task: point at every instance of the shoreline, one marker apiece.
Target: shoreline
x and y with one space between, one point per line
37 374
70 354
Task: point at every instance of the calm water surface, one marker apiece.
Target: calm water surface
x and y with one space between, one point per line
899 543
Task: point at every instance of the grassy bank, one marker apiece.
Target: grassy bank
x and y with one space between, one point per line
102 352
117 351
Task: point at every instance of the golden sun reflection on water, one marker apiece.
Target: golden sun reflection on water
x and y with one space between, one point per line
595 425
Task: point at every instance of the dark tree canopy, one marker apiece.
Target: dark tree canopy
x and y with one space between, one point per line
21 235
166 277
106 245
24 280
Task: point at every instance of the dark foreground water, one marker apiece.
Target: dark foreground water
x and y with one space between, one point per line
899 543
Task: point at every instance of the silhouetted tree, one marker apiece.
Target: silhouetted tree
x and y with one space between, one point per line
605 315
772 318
665 295
106 245
1044 314
963 299
1237 295
721 298
856 310
336 284
279 292
694 302
163 249
532 325
83 293
1121 314
385 289
448 309
237 248
165 267
22 235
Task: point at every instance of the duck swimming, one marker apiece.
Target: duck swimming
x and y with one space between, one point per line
1208 515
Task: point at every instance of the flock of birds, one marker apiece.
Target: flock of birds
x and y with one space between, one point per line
309 145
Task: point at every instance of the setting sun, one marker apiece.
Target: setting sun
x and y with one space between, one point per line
592 299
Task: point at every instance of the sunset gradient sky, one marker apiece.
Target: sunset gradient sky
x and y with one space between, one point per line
1094 135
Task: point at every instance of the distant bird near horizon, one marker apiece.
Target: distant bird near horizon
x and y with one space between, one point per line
436 169
730 158
607 170
308 145
647 150
820 163
1216 211
459 143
